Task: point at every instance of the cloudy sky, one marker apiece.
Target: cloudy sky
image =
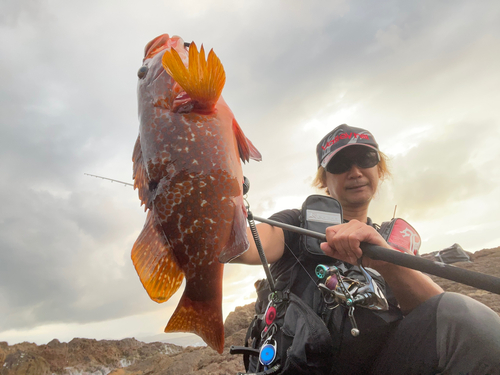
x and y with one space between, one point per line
422 76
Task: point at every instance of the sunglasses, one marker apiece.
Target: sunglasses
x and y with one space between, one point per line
342 162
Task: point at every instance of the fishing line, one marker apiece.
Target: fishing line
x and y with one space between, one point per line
299 262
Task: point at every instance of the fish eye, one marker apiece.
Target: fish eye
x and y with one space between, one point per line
143 70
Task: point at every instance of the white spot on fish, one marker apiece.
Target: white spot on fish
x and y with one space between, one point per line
195 161
204 202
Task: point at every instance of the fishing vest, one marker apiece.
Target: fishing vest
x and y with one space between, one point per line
293 330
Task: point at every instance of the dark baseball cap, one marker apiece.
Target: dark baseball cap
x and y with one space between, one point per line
341 137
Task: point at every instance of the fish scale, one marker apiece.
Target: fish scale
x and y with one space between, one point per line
188 172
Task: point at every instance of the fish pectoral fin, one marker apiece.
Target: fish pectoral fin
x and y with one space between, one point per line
203 318
254 153
246 149
155 263
203 80
140 177
238 241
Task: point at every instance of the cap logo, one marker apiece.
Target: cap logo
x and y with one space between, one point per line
340 137
344 136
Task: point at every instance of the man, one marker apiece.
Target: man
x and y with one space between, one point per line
441 332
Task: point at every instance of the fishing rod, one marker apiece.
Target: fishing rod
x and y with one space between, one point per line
472 278
109 179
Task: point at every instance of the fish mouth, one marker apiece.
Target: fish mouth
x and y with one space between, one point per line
156 45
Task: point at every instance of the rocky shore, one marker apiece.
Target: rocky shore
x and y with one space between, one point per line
132 357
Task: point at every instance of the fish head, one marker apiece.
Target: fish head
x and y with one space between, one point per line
156 88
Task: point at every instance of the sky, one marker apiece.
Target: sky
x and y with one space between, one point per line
421 76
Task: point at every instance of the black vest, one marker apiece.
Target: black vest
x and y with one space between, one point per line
296 352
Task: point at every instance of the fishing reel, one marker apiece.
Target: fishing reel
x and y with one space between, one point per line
338 289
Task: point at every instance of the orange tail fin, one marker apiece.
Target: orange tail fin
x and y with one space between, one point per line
203 80
203 318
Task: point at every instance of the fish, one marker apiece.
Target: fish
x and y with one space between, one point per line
187 169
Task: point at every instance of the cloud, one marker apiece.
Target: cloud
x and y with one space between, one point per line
444 168
66 259
421 75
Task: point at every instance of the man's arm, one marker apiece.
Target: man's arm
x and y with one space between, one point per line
273 243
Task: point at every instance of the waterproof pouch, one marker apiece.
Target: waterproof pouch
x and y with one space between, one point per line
401 236
318 213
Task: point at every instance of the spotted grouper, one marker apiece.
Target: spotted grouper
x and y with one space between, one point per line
188 173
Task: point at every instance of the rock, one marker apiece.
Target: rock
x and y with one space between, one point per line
82 355
238 319
2 356
21 363
54 344
485 261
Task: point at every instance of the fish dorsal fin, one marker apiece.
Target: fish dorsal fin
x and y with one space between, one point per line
246 148
203 80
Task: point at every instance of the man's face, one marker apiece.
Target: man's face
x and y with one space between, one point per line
356 187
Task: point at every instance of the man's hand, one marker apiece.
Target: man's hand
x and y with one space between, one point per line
343 242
